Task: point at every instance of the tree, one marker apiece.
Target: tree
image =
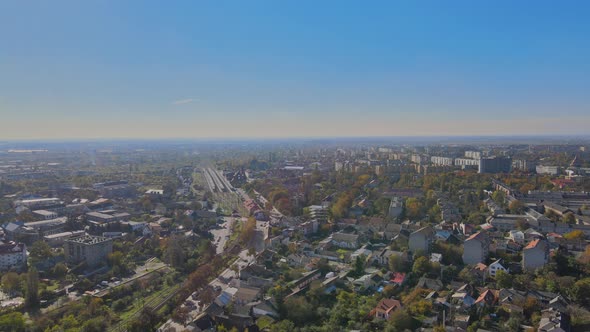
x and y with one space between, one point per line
40 250
503 279
413 207
359 265
581 291
499 197
10 282
13 321
298 310
60 270
421 266
574 235
396 263
400 321
248 232
174 254
569 218
32 289
283 326
516 207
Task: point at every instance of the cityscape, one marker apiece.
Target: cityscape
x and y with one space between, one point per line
294 166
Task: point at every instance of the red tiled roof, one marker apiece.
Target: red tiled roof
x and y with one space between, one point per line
388 305
475 236
398 278
532 244
480 267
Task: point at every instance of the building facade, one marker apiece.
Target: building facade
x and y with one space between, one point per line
476 248
92 250
13 256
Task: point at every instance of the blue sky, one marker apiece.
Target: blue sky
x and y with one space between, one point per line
124 69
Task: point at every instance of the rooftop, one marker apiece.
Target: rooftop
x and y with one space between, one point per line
89 239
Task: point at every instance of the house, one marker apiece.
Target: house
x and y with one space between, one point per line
264 308
535 254
246 294
385 308
364 282
463 299
487 297
382 257
345 240
480 271
398 278
422 239
476 248
428 283
554 321
395 207
495 267
516 236
306 279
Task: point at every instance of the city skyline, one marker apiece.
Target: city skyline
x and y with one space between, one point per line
202 70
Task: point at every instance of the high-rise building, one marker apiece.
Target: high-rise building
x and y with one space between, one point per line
441 161
473 154
495 165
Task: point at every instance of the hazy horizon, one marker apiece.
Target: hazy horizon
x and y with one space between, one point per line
136 70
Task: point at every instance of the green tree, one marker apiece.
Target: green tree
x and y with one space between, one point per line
569 218
499 197
421 266
400 321
10 282
60 270
32 289
581 291
13 321
174 254
414 208
516 207
283 326
299 311
503 279
396 263
359 265
40 251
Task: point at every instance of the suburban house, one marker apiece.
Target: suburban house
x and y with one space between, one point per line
476 248
535 254
385 308
421 239
495 267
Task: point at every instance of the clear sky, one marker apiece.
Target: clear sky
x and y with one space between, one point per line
150 69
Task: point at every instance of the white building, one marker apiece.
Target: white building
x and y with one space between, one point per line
473 154
466 162
13 256
395 207
45 215
495 267
550 170
441 161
